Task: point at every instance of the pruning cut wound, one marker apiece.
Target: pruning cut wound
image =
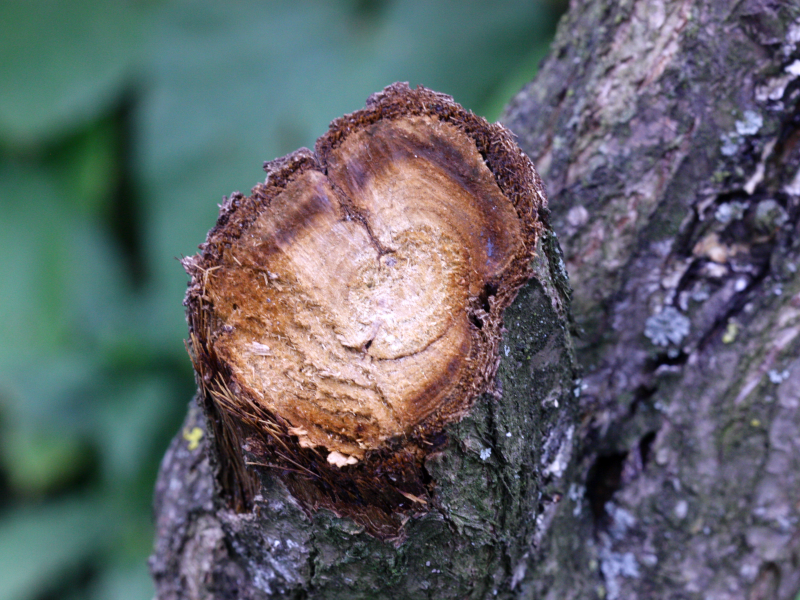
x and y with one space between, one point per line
351 307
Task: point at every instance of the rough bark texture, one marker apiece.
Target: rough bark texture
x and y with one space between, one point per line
667 134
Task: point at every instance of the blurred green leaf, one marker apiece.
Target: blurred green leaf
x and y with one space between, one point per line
62 285
89 165
62 62
41 461
53 393
521 75
124 583
39 545
126 425
31 301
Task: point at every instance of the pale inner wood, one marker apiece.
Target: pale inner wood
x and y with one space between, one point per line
344 306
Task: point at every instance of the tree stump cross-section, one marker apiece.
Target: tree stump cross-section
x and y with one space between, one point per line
349 313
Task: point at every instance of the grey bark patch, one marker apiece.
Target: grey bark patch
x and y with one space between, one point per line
667 327
660 162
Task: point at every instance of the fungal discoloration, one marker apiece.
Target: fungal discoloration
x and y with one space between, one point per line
351 307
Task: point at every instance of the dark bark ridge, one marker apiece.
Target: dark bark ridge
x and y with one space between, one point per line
667 134
489 469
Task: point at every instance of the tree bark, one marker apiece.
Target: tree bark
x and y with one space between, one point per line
666 132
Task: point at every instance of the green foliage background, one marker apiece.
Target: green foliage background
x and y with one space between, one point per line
122 125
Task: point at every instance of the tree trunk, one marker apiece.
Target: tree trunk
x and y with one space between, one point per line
666 134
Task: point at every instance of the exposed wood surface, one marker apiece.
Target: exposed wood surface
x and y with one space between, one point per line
350 312
345 306
386 400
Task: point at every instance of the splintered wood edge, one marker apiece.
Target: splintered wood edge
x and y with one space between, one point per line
346 267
